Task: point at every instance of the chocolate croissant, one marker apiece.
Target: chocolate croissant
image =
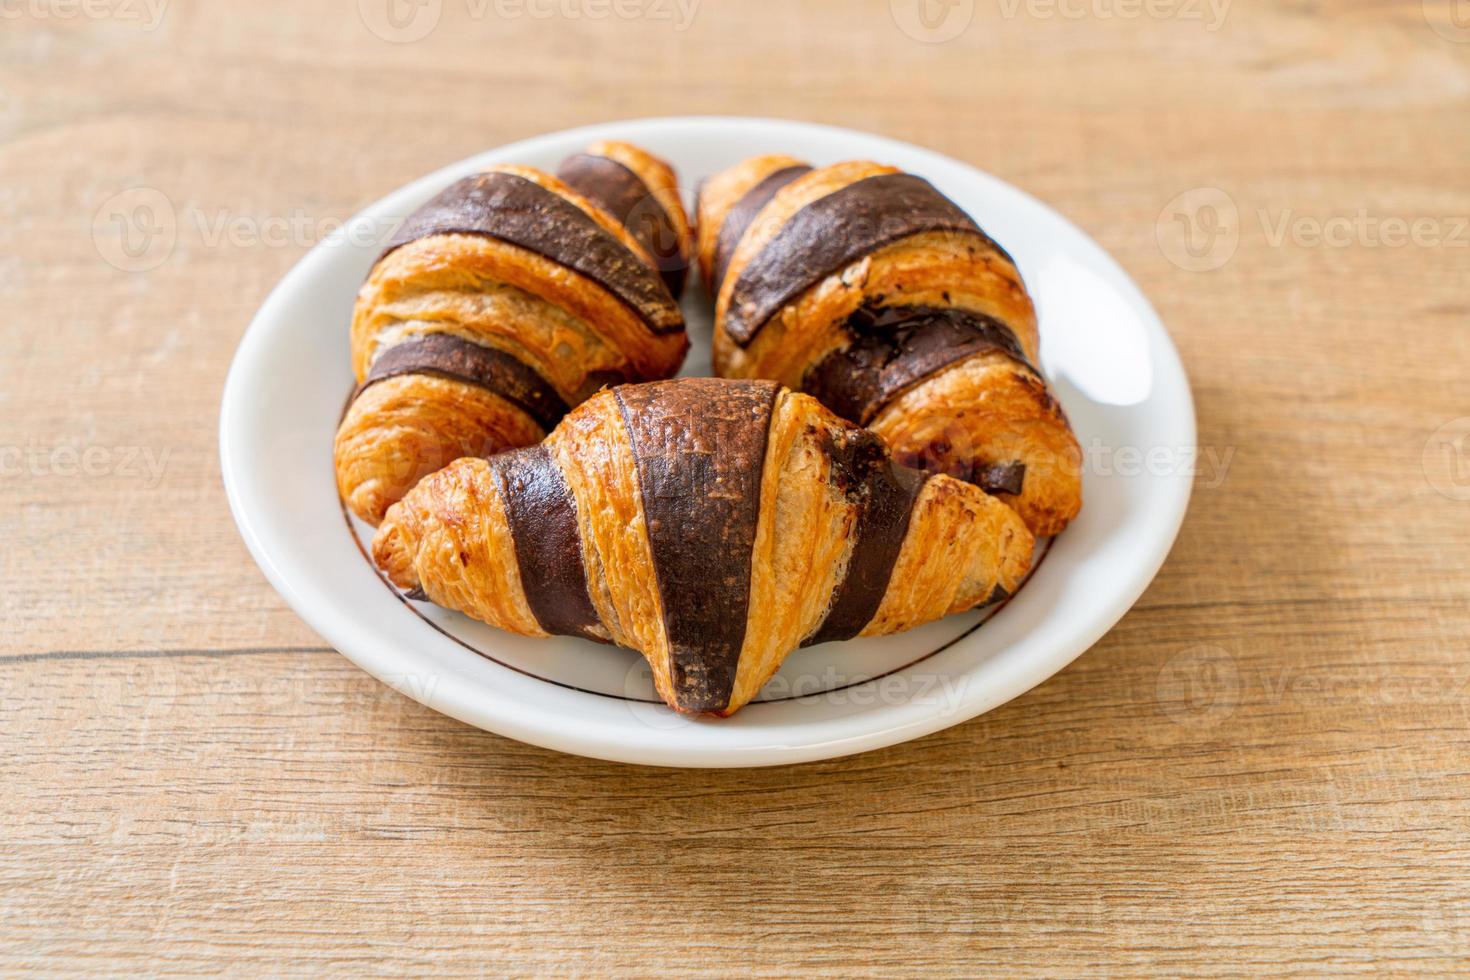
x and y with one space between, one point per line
500 304
712 525
642 192
868 289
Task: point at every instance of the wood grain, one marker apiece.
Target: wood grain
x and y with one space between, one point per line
1263 769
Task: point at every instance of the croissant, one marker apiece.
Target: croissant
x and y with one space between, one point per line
868 289
642 192
712 525
497 306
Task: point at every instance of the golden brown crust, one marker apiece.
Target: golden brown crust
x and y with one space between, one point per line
591 208
804 540
571 332
402 429
560 323
773 217
452 539
720 193
941 270
961 417
592 448
988 407
958 544
659 177
960 547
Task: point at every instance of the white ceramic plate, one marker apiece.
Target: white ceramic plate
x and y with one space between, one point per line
1109 359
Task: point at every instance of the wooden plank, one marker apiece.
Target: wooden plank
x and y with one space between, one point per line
1261 769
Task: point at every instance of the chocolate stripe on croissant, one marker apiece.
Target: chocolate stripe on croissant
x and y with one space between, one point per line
543 524
896 347
521 212
454 357
700 446
627 198
739 217
832 232
999 477
887 492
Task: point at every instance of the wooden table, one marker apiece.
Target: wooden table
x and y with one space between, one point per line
1264 768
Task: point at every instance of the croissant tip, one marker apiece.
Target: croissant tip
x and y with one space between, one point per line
392 552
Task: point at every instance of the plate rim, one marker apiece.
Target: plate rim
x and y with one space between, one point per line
374 655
